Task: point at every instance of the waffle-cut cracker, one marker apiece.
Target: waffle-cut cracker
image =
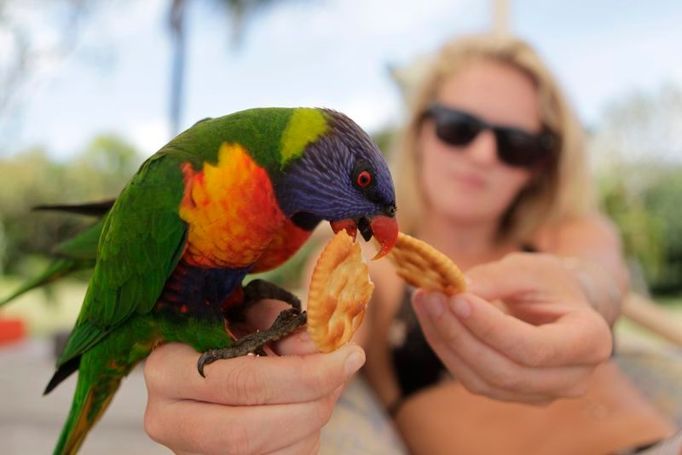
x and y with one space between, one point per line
339 291
423 266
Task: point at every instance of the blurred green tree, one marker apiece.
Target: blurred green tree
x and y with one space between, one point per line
31 178
28 179
641 233
663 199
102 167
637 151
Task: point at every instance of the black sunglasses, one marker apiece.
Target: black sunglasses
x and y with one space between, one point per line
515 146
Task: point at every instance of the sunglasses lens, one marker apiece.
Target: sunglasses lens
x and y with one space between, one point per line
517 148
455 128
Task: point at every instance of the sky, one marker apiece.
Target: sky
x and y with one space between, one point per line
332 53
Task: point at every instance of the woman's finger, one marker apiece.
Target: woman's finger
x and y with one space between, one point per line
451 338
471 379
578 337
518 275
485 371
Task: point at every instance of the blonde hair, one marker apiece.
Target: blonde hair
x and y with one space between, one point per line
560 192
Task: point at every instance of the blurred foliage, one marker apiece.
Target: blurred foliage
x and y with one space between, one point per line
663 199
642 128
637 149
647 215
31 178
641 234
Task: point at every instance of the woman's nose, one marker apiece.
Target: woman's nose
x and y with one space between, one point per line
483 149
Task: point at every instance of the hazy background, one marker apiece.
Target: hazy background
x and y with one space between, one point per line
90 88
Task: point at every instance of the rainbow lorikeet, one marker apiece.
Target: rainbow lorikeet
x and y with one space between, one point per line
229 196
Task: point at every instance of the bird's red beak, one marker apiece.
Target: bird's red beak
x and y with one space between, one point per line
383 228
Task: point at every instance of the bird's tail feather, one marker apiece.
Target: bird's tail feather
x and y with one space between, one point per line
90 400
98 208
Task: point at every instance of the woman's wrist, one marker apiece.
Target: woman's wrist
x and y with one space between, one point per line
600 288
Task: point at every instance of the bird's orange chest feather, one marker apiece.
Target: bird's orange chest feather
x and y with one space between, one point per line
233 217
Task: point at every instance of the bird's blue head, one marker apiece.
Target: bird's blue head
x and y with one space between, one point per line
341 177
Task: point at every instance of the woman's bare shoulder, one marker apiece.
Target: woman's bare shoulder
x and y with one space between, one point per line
594 238
590 231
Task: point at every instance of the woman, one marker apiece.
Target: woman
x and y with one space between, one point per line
491 171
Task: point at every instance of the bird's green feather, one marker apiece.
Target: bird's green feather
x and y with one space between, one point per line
141 243
304 127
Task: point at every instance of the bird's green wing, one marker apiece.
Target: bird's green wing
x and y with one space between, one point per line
141 243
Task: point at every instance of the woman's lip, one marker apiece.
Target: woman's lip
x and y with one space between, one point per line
471 180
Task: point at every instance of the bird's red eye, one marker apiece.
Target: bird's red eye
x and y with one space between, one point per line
363 179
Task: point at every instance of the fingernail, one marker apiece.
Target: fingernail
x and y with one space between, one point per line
460 307
435 304
354 361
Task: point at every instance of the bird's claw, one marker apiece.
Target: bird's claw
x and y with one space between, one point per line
287 321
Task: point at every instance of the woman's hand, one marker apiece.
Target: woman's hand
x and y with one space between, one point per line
543 347
273 404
